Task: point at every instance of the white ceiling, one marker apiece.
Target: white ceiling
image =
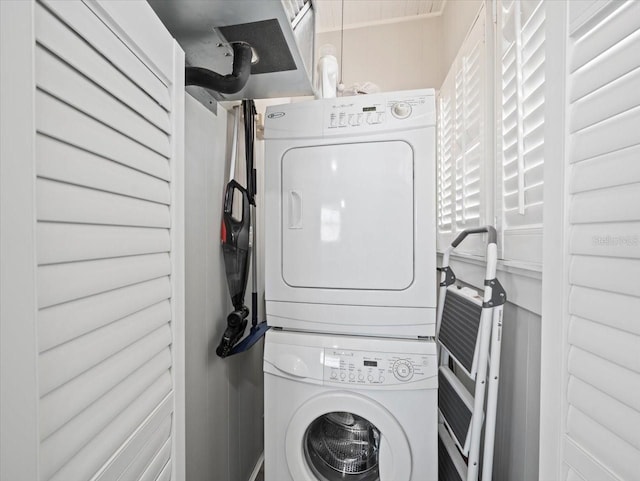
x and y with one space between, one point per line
359 13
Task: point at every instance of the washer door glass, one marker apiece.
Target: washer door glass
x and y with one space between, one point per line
343 446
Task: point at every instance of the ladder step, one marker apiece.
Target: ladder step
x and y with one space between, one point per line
460 324
451 464
456 406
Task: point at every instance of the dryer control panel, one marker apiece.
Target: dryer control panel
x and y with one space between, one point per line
376 369
371 113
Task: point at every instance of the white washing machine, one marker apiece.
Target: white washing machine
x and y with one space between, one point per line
349 408
350 215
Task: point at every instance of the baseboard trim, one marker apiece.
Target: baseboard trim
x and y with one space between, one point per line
256 468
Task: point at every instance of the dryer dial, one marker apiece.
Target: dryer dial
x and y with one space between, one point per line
401 110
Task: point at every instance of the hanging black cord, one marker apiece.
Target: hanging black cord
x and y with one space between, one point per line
249 112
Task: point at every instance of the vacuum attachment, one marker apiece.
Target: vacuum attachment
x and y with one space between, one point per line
236 251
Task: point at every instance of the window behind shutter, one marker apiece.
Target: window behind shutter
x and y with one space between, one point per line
462 166
521 139
445 204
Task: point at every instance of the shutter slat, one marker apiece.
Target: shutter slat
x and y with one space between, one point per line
57 38
67 124
71 437
616 168
606 102
618 382
587 466
533 196
606 273
614 204
616 61
99 449
614 345
609 308
63 322
573 476
136 454
88 26
609 135
621 24
63 363
61 405
607 448
616 417
59 161
607 240
63 82
66 282
157 464
60 202
165 475
78 242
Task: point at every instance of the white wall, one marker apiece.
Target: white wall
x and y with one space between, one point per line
396 56
224 396
455 21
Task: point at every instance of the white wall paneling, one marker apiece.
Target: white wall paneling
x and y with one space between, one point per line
224 396
107 227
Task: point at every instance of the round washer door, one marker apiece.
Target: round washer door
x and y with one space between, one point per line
378 451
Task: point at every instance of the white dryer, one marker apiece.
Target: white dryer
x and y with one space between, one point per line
349 408
350 215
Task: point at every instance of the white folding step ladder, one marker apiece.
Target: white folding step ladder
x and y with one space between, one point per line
469 331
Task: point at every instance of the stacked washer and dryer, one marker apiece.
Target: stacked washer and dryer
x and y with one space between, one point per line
350 362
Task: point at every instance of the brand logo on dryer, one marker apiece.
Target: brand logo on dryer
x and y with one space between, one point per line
275 115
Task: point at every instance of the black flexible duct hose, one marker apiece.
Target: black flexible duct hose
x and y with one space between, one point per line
226 84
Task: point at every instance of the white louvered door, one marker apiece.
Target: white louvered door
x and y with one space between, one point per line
108 135
521 54
601 412
462 166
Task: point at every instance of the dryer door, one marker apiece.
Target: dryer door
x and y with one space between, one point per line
346 436
348 216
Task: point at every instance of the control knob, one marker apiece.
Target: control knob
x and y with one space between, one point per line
403 370
401 110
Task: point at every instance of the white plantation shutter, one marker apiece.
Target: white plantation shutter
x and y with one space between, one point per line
445 204
106 153
601 411
521 49
461 142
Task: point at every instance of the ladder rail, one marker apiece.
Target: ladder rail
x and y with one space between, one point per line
492 396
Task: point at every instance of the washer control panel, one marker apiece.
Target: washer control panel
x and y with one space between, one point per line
374 368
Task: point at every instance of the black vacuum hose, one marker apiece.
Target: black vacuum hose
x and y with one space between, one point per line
226 84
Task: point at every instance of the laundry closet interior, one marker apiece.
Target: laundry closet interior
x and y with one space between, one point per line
320 240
